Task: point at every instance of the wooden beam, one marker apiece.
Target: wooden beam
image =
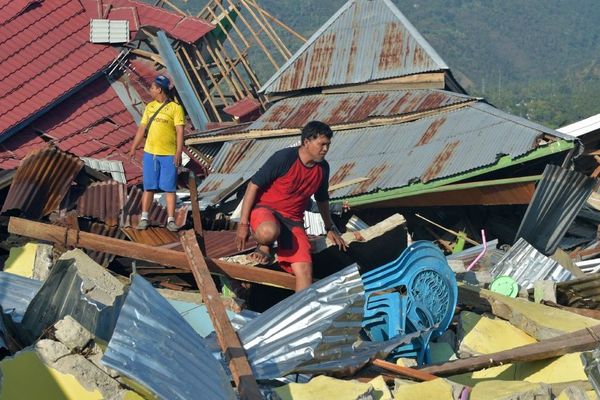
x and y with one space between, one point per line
196 217
228 340
404 371
582 340
158 255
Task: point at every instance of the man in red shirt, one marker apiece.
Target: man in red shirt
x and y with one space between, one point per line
279 193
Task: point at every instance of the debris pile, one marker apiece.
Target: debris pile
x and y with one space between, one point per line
473 256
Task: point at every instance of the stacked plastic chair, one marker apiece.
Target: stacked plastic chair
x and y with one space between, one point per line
415 293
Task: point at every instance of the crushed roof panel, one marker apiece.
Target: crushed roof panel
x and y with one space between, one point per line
394 156
363 41
181 27
91 123
45 53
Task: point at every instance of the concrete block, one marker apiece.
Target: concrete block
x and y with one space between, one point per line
510 390
478 335
544 290
572 393
50 350
406 362
70 332
43 262
437 389
86 373
539 321
95 355
324 387
381 389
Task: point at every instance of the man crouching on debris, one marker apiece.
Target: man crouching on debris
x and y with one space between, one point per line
277 196
163 119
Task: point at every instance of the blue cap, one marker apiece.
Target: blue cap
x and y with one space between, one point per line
162 81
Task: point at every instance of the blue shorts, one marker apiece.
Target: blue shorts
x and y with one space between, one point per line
160 173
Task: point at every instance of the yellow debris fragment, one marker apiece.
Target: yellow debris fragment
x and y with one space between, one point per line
510 390
482 335
567 368
382 392
25 376
324 387
21 260
437 389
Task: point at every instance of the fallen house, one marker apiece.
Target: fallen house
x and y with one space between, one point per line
387 318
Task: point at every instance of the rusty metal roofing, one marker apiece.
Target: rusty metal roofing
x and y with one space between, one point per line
153 236
157 214
344 108
103 200
393 156
41 182
109 231
217 243
363 41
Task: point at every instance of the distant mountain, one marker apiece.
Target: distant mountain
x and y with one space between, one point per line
535 58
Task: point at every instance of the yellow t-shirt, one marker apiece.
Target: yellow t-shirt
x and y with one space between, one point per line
162 137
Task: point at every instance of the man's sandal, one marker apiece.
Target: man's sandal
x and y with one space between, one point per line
260 257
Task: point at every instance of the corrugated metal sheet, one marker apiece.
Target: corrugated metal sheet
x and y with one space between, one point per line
395 156
556 202
114 168
193 105
581 292
152 340
217 243
346 108
16 292
363 41
153 236
526 265
104 230
41 182
103 200
313 331
46 53
157 214
75 288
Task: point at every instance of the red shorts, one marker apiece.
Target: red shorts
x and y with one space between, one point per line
300 250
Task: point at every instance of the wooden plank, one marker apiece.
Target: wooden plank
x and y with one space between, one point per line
582 340
228 340
158 255
404 371
196 217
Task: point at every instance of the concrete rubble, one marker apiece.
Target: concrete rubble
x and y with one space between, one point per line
474 243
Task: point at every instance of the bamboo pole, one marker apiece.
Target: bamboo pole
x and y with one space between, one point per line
278 22
266 27
203 86
235 90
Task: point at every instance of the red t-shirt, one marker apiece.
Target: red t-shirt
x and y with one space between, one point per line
286 184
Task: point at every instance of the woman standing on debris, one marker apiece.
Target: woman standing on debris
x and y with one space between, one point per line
163 121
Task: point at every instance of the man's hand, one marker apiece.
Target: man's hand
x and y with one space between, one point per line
177 159
243 233
334 235
131 154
